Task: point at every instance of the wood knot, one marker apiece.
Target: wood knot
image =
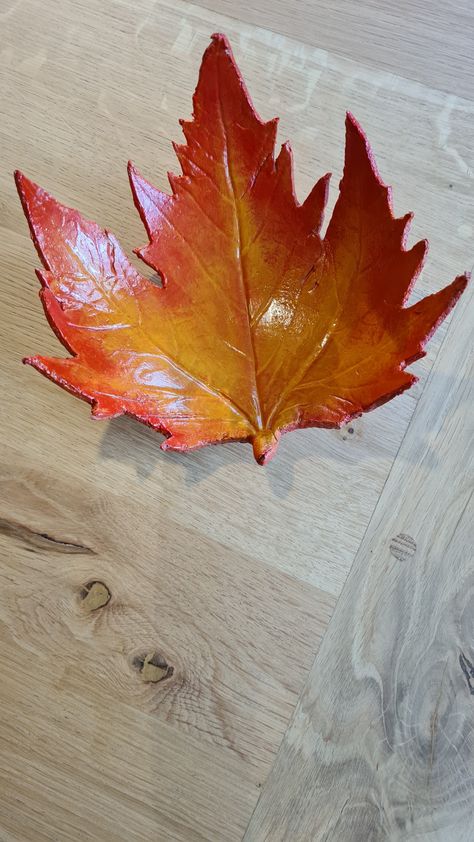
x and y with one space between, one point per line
402 547
152 667
94 595
346 431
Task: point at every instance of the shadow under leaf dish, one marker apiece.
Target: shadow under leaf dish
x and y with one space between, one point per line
261 326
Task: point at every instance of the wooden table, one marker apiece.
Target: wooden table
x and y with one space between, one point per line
161 615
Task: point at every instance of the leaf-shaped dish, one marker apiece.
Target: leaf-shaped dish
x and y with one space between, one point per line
261 325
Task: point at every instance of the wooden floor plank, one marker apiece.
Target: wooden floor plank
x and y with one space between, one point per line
429 42
160 709
91 767
381 744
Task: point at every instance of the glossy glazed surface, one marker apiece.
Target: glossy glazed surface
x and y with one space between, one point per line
261 326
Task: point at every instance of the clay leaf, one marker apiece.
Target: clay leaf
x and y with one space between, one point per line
261 325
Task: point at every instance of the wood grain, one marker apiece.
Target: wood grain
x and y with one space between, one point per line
381 744
423 144
429 42
159 613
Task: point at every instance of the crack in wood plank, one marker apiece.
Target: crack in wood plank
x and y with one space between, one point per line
41 540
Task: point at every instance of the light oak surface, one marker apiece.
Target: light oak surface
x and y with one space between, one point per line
382 742
159 613
430 42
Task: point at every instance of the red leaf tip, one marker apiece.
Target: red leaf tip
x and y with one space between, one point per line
21 181
220 40
25 186
355 134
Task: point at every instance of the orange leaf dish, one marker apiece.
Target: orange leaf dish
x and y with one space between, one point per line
261 326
